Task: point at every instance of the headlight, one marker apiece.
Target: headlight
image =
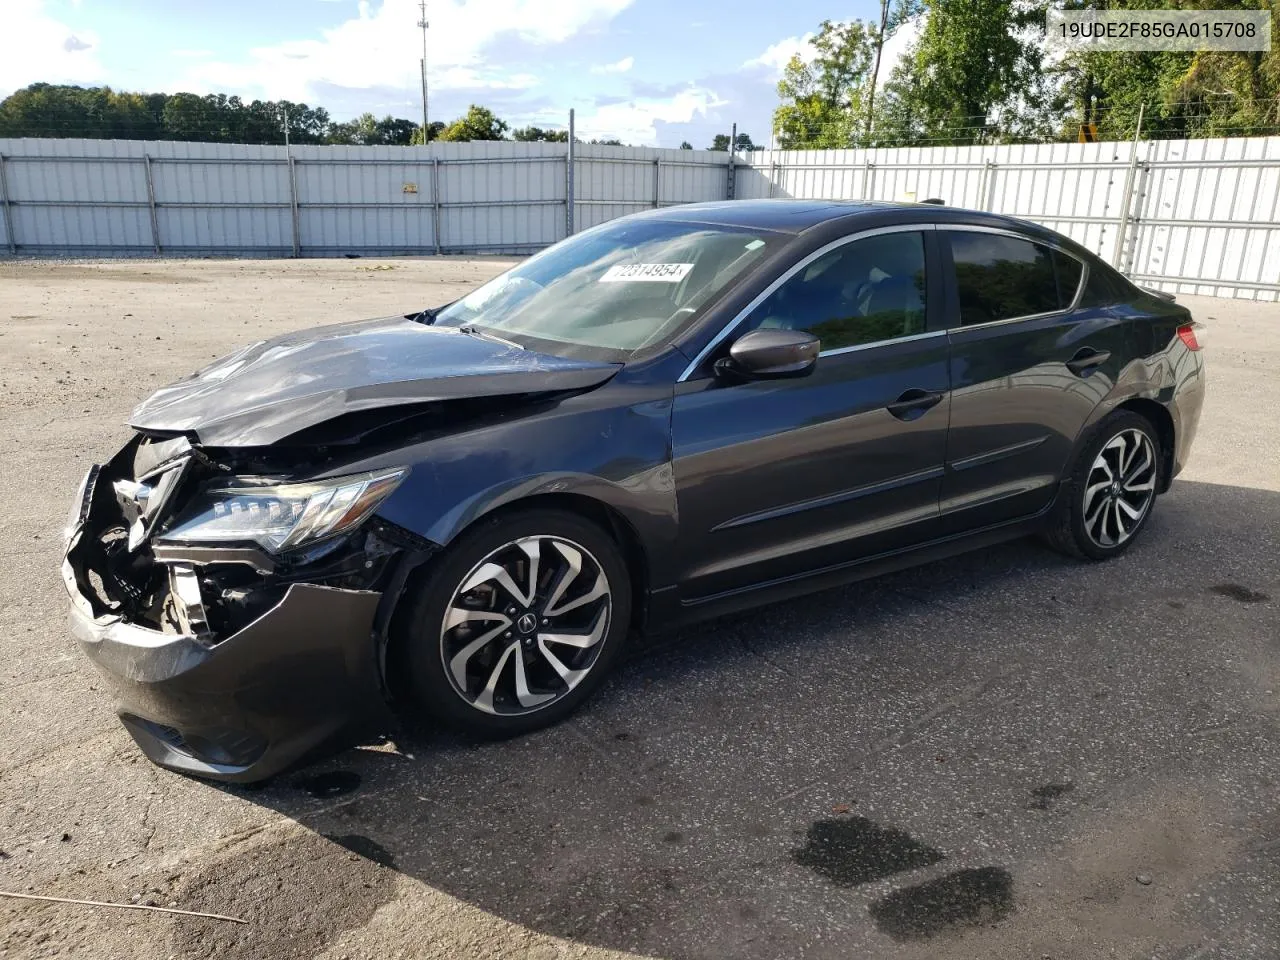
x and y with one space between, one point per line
281 516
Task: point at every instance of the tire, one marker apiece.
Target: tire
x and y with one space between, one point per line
561 658
1089 518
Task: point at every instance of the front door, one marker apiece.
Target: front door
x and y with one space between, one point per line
776 478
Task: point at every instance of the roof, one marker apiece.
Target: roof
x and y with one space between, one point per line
783 214
786 215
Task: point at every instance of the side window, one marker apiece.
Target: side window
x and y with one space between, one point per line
1000 277
862 292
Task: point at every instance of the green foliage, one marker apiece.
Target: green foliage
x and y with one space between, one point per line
478 123
721 142
434 129
825 101
1203 94
686 145
977 73
539 135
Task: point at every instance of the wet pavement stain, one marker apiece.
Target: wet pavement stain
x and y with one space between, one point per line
962 899
325 785
1236 591
854 850
1042 798
362 845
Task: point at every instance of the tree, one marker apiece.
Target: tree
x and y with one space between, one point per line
825 101
686 145
976 72
721 142
434 129
478 123
366 130
1201 94
539 135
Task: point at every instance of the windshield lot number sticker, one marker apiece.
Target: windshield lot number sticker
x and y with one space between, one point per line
646 272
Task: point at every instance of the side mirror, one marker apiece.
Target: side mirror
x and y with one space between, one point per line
771 353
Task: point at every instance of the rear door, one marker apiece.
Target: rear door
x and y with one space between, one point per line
777 478
1028 367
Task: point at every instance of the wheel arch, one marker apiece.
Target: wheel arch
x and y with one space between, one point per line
1158 415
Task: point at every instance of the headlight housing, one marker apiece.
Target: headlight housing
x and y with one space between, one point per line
281 516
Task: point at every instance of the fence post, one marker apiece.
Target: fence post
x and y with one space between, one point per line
773 177
293 204
1135 221
730 187
435 202
988 199
151 204
868 180
570 200
657 183
1127 197
8 213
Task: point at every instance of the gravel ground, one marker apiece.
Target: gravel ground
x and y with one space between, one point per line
1005 755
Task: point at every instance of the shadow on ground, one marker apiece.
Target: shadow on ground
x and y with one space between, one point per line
989 753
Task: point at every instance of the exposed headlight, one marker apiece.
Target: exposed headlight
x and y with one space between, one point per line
282 516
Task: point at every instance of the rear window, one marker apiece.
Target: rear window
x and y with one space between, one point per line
1000 277
1068 269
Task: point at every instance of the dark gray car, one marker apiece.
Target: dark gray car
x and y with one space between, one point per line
664 418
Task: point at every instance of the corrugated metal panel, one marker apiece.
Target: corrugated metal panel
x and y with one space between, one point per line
1189 215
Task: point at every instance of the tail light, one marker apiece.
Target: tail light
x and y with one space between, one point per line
1187 334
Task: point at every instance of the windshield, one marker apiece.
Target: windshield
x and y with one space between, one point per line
615 288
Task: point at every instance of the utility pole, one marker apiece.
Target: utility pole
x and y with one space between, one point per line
875 72
422 22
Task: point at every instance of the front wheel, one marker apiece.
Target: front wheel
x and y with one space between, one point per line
1111 491
517 623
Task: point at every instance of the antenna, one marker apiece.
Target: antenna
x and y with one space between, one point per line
422 22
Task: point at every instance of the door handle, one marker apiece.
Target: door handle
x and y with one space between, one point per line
913 404
1087 360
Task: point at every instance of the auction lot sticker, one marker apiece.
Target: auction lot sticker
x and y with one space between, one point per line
650 272
1177 30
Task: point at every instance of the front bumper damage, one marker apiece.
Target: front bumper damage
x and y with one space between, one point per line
227 664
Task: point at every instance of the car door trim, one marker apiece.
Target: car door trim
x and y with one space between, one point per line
791 272
801 506
999 453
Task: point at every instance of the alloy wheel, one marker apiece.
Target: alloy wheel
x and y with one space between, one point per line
1120 487
525 626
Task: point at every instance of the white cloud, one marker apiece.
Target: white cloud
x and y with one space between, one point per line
622 66
36 47
776 56
380 47
633 121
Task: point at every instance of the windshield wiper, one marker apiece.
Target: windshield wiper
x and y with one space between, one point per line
475 331
426 316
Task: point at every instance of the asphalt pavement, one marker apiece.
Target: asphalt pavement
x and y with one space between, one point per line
1003 755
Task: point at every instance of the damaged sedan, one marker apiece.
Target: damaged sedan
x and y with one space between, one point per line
466 511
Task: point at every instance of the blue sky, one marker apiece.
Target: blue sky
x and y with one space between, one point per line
646 71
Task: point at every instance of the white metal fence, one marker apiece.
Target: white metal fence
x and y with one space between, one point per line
1197 216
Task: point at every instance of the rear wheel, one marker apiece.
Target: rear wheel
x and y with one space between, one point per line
1112 489
517 623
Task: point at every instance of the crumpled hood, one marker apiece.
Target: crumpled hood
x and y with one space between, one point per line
274 388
